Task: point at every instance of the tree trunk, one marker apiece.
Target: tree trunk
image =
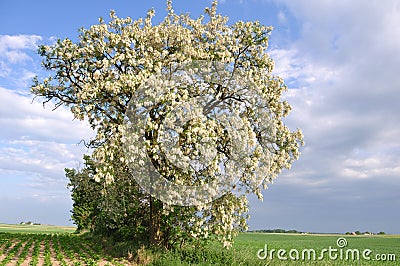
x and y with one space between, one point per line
155 231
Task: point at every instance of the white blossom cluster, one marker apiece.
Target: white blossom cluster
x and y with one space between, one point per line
187 144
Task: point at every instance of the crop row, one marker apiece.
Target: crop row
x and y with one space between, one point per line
54 249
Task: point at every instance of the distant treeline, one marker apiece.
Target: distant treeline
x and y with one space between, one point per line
29 223
365 233
299 232
276 231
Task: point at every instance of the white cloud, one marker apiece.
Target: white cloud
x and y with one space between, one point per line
5 69
17 61
37 144
16 56
282 17
343 67
13 48
343 31
300 71
352 96
28 118
18 42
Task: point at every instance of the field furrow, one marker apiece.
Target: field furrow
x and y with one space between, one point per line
25 261
54 259
13 260
26 249
41 254
10 249
56 250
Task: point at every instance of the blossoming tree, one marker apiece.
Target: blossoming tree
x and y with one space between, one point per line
128 69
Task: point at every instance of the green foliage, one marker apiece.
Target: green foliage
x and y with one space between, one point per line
84 191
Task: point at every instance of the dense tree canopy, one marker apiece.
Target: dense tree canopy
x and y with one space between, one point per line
128 69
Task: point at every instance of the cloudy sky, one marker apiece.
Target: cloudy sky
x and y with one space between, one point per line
341 60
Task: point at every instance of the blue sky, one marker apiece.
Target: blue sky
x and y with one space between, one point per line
339 58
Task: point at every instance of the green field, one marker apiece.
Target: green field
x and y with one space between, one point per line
36 229
383 246
51 245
